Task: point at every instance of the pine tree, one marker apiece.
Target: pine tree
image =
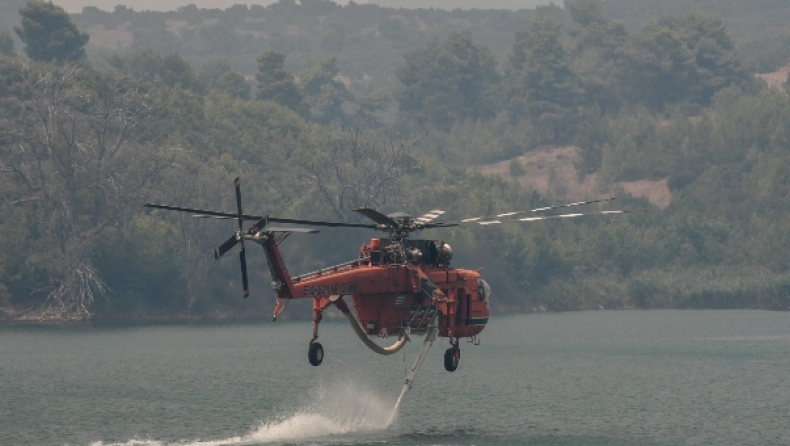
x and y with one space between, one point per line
49 33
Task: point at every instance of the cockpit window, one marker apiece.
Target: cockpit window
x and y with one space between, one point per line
483 290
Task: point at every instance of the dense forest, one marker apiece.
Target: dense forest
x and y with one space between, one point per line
321 108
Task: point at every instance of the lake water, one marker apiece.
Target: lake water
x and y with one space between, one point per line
590 378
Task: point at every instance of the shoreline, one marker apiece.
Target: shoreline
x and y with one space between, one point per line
227 319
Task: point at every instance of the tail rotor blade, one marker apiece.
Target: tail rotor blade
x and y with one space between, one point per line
244 282
225 247
242 256
237 184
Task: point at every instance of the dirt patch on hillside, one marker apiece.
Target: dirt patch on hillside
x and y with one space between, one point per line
776 79
110 38
657 192
551 170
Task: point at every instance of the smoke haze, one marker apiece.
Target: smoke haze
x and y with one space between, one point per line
74 6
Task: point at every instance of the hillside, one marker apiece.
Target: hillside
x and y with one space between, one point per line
474 112
777 79
367 39
552 171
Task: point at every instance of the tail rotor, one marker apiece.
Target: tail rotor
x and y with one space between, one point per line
240 238
237 238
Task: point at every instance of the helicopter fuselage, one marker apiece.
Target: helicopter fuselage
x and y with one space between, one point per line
394 287
391 298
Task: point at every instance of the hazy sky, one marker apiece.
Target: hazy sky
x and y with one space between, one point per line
155 5
171 5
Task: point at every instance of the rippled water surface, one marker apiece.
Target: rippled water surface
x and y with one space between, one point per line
592 378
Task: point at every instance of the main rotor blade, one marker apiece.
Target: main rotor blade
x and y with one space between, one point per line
331 224
550 217
258 218
429 216
203 212
547 208
440 224
377 216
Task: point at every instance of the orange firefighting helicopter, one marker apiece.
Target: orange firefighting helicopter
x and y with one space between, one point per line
398 286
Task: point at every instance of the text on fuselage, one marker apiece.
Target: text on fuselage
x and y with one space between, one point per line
326 290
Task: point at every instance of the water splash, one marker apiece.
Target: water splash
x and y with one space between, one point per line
334 411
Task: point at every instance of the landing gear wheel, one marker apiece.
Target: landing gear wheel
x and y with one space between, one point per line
315 354
451 357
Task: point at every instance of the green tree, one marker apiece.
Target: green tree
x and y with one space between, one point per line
765 55
370 103
78 165
351 168
210 72
6 43
707 38
234 84
142 65
594 50
591 138
175 70
147 66
140 263
681 59
450 80
324 94
541 84
49 33
659 68
586 12
277 84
